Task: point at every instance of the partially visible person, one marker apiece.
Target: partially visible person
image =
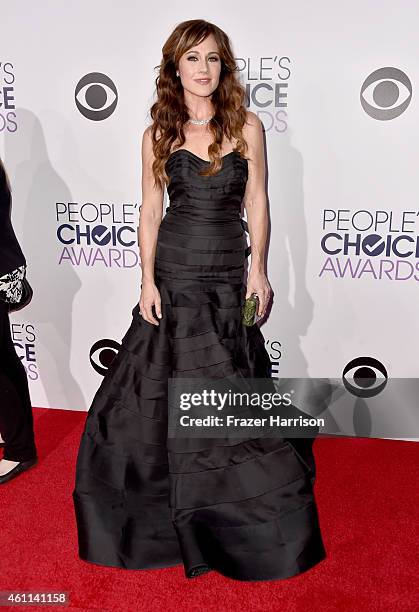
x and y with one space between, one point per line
16 418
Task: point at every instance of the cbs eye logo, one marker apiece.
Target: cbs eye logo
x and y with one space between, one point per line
102 353
96 96
386 93
368 377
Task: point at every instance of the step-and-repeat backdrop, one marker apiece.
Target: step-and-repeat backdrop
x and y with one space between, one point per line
333 84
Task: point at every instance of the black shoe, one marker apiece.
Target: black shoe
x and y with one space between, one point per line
18 469
1 444
198 571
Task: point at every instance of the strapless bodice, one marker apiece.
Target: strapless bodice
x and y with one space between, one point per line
199 198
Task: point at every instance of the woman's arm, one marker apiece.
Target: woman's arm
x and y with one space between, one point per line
255 202
151 213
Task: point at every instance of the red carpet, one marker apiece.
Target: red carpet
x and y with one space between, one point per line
368 496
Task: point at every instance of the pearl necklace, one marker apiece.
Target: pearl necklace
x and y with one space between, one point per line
200 121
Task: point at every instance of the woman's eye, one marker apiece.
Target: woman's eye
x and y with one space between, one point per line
192 57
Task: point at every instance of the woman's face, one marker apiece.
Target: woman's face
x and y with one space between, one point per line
200 67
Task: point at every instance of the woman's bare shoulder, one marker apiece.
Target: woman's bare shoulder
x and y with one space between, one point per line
253 134
252 127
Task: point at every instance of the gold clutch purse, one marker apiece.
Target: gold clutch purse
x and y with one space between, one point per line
250 309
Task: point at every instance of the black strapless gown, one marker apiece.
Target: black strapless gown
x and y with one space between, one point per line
245 509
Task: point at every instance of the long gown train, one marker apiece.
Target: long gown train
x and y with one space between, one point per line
245 508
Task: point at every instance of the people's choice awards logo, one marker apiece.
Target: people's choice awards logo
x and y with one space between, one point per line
266 80
386 93
273 348
100 234
96 96
8 119
380 245
24 341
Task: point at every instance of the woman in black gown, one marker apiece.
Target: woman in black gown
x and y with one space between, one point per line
246 508
16 418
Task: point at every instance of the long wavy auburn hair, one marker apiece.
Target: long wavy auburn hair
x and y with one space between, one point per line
169 112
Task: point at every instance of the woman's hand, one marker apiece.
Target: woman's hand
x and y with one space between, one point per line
258 283
150 296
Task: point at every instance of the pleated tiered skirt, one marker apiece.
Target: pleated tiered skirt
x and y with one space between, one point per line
246 507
